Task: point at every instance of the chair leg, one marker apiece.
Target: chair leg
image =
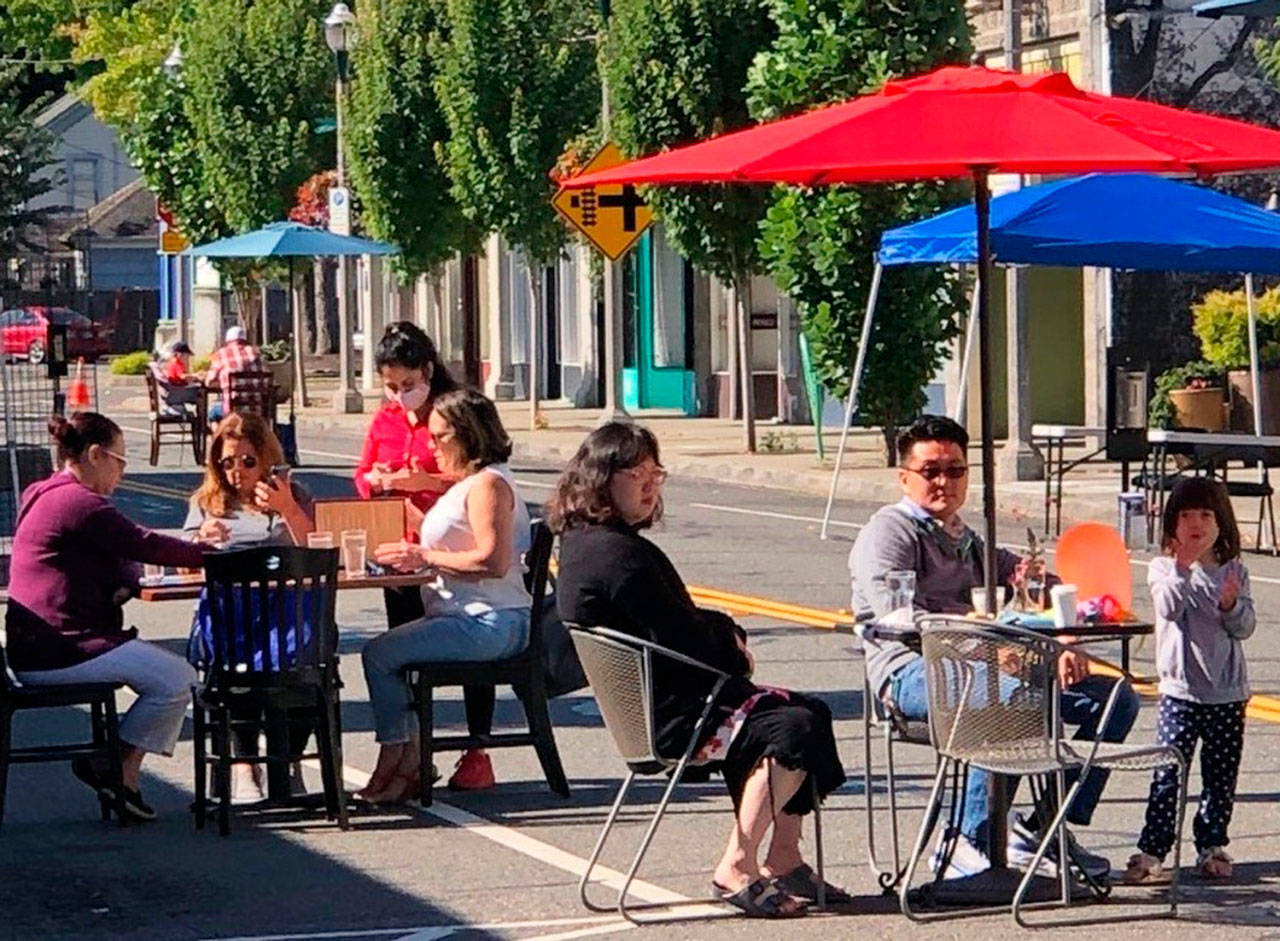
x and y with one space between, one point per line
330 741
652 829
222 745
425 700
926 829
892 784
817 844
535 710
96 723
585 881
1183 773
6 731
155 444
199 733
115 768
1055 830
333 717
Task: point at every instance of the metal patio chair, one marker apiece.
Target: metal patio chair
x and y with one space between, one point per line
619 668
994 704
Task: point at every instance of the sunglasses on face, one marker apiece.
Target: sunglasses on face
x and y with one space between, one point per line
247 461
936 471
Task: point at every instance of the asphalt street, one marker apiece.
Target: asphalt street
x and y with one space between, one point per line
504 863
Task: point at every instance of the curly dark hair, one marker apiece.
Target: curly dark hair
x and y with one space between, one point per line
1202 493
582 492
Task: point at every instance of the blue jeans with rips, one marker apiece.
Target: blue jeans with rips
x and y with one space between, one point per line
1082 705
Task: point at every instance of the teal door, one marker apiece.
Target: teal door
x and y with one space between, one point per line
657 335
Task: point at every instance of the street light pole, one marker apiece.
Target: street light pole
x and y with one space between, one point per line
339 34
613 408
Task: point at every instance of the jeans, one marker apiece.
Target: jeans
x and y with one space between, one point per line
1080 705
161 679
493 635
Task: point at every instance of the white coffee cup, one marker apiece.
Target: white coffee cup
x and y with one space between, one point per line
1064 605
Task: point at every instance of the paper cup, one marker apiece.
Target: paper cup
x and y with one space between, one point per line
1064 605
978 596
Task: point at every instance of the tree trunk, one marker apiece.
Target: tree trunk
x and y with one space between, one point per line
742 298
326 306
298 320
535 322
890 433
248 302
307 291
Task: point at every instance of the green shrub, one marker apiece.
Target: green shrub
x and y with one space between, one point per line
1160 411
277 351
1221 322
201 363
131 364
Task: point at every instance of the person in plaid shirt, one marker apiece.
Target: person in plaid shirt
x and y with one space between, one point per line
235 355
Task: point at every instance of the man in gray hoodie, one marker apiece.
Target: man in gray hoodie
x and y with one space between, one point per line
924 533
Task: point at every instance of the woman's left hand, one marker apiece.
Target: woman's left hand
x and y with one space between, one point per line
413 479
274 494
403 555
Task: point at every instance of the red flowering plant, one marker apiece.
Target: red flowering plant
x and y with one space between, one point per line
312 205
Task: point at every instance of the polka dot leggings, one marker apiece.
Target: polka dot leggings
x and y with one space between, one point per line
1220 729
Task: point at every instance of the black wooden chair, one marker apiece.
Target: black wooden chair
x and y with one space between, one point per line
525 673
173 422
253 391
104 721
274 635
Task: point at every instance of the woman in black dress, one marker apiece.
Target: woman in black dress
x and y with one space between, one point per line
768 743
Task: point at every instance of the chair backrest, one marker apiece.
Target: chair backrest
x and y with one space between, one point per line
252 391
153 389
271 610
537 563
621 677
992 690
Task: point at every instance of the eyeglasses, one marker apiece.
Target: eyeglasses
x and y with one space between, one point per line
247 461
657 475
124 461
935 471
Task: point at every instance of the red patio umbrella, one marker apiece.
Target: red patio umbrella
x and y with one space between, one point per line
965 121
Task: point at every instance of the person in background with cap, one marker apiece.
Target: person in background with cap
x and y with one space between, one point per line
179 387
235 355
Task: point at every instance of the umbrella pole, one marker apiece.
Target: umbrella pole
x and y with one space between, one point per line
982 204
971 333
854 381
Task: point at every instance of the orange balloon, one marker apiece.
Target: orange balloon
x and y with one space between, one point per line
1093 557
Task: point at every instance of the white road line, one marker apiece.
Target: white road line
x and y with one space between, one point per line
429 931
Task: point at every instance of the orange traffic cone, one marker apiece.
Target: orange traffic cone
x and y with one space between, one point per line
78 391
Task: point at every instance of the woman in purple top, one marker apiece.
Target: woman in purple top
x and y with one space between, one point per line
74 565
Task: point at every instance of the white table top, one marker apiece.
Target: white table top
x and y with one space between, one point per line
1220 438
1067 431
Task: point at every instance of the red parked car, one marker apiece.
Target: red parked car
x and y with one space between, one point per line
24 331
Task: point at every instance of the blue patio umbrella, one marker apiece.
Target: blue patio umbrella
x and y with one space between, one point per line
1216 8
291 240
1133 221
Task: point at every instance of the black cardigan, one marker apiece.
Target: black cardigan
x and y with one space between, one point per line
611 576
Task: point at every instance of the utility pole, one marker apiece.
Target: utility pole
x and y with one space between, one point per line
613 408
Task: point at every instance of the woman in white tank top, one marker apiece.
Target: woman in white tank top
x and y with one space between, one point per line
477 607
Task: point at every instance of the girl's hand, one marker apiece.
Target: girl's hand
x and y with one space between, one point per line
213 532
403 555
274 494
413 516
1230 592
1187 553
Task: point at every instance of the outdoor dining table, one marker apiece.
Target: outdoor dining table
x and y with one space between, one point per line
909 634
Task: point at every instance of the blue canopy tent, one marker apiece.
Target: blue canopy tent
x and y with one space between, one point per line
292 240
1217 8
1124 220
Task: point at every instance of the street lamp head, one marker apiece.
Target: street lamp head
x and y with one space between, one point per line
174 61
339 28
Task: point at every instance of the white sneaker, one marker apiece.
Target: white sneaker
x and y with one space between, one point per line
966 859
1023 842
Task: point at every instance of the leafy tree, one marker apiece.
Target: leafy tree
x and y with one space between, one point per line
25 150
819 243
392 130
676 71
517 79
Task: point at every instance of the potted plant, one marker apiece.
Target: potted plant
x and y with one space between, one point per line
1221 322
277 356
1189 396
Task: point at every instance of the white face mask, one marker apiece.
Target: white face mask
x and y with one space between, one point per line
411 399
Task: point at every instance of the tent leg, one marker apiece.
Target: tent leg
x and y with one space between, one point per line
1254 377
854 381
971 334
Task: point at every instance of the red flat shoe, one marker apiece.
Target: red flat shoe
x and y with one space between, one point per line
473 772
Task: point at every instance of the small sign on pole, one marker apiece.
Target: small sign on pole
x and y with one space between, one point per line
172 242
612 217
340 210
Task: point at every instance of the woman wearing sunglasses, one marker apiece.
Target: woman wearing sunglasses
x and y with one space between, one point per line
73 567
241 503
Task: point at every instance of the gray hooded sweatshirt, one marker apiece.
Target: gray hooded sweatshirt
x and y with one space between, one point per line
1199 654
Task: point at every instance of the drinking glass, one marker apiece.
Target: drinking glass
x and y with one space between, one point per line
979 598
354 544
901 584
320 540
152 573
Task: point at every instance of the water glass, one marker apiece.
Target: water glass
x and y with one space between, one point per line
979 598
152 573
354 544
320 540
901 584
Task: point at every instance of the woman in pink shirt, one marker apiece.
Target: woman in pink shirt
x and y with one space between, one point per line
398 459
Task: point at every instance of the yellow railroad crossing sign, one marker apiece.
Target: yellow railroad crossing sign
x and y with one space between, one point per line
612 217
